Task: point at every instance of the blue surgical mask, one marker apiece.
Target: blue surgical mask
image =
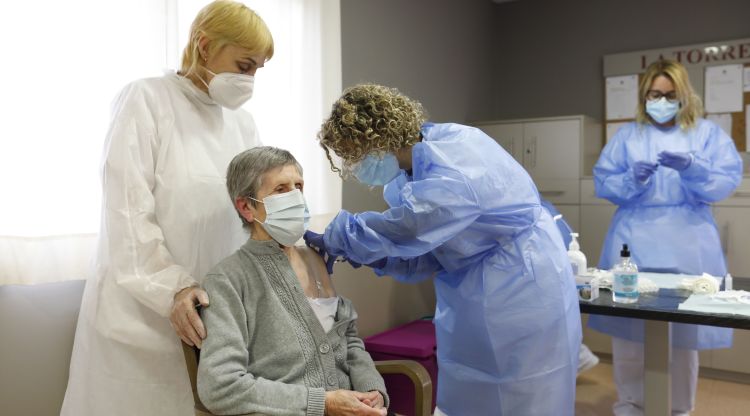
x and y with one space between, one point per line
377 171
662 110
287 216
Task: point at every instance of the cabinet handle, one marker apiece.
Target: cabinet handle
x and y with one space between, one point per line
530 156
741 194
552 193
725 240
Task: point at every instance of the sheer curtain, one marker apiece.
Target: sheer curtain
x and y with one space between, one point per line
64 62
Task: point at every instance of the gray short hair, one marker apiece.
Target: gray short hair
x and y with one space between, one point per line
246 170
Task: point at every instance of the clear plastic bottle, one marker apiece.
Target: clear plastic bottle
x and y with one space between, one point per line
625 280
728 282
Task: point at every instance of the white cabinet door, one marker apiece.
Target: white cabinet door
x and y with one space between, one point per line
588 193
509 136
734 228
595 221
551 149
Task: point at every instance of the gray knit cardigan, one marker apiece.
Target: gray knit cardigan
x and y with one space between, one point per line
265 351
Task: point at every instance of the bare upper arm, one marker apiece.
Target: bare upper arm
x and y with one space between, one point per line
317 269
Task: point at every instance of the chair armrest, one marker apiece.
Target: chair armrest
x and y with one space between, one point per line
418 376
192 356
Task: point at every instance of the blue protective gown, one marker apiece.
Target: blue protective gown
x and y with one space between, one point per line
667 222
507 319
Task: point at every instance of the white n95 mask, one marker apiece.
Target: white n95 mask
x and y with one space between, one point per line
287 217
230 90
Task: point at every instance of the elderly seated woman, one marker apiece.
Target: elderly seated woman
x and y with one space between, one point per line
279 340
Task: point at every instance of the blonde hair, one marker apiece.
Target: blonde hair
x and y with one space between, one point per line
226 22
691 106
370 118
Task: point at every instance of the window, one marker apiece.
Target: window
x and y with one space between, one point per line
63 64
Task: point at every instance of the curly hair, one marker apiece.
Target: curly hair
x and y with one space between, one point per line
370 118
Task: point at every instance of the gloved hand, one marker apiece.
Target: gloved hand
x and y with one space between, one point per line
675 160
316 242
643 170
377 264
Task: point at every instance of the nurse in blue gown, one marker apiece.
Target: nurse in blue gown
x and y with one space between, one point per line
463 212
664 171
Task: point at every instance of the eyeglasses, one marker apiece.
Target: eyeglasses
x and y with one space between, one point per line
653 95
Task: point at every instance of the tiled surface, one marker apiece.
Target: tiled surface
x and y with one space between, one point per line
595 394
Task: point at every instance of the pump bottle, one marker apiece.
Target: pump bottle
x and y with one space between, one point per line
625 281
576 256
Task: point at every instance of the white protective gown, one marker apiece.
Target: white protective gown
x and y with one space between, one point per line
166 220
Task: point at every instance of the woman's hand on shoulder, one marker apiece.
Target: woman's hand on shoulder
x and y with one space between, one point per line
185 318
347 402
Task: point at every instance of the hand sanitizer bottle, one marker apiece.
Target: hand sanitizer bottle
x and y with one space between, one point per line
625 285
576 256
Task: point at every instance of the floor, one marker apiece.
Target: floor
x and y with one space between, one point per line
595 394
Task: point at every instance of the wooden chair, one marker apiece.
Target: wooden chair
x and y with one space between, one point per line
412 369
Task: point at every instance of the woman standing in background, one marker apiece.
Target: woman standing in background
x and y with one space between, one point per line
664 171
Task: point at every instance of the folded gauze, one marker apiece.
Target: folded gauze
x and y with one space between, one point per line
705 284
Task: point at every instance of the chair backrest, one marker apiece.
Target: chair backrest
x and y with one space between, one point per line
192 357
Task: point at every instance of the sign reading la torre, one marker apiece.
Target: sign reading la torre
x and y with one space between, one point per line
698 55
720 53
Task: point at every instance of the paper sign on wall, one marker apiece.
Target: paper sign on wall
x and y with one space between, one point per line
747 79
622 97
723 88
747 130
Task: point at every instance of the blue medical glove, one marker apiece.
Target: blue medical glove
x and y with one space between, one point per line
316 242
643 170
377 264
675 160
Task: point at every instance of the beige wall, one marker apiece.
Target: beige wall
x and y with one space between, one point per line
382 302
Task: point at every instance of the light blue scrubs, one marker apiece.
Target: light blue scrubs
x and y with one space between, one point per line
667 222
507 318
